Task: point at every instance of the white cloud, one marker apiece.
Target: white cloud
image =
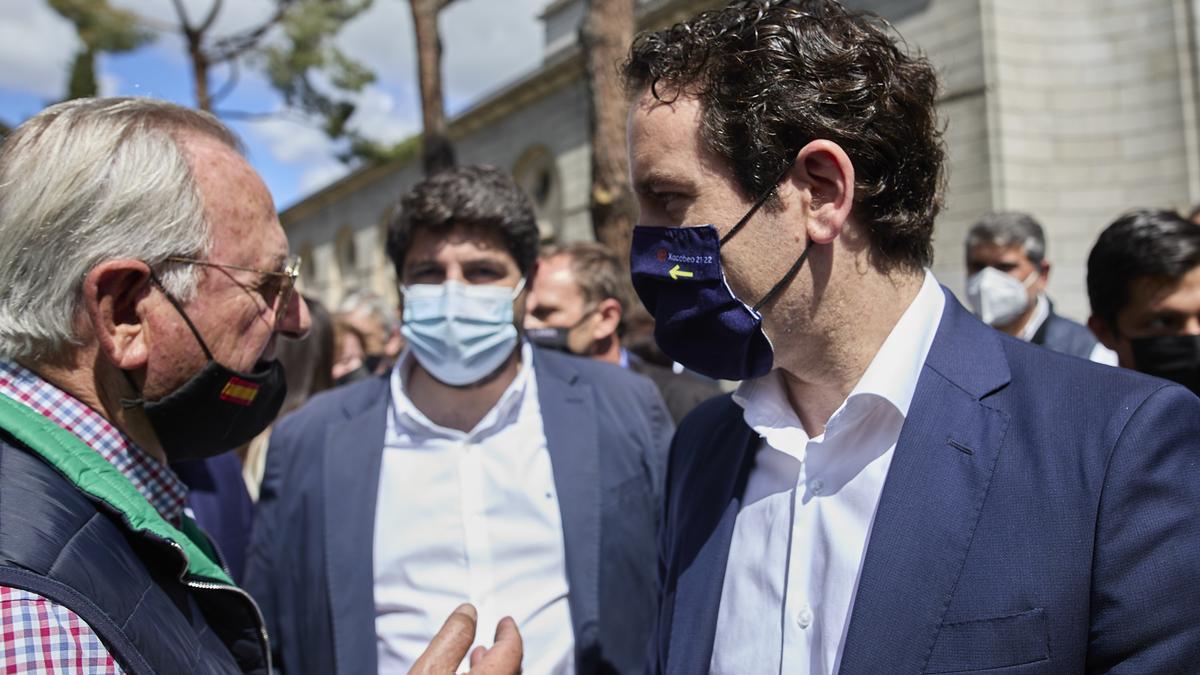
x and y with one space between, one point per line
487 44
378 117
36 48
318 176
291 141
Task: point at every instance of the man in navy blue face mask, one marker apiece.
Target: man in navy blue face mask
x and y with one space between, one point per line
894 487
480 470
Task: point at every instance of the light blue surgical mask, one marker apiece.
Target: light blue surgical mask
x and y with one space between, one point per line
458 332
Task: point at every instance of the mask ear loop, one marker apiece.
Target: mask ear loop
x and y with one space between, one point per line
746 218
179 308
786 278
128 403
757 204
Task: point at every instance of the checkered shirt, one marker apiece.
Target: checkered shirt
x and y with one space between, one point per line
36 634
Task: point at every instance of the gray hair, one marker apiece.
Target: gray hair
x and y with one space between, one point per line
1006 228
83 182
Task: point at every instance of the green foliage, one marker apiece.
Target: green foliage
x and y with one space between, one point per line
101 28
374 152
308 70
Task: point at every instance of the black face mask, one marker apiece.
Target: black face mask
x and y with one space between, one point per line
372 362
215 410
550 338
557 338
1171 357
359 373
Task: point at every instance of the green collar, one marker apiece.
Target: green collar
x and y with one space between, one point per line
101 481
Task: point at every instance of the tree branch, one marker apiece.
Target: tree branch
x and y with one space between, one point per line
227 88
233 46
212 16
181 12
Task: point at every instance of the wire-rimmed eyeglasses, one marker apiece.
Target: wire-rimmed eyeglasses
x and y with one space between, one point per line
277 287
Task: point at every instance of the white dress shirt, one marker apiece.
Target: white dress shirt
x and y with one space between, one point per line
799 539
470 517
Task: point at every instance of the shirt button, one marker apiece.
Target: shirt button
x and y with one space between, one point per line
804 617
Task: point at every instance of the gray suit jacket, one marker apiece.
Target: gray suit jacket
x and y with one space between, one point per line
310 560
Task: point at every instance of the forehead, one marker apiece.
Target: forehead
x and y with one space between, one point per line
555 281
459 244
245 226
1147 294
989 253
665 142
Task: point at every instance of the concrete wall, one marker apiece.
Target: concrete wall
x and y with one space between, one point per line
1088 119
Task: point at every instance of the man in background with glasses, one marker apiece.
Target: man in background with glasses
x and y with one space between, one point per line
144 280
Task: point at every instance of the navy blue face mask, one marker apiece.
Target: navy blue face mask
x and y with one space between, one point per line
699 322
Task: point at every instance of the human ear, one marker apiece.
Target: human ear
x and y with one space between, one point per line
825 175
1102 331
112 294
609 313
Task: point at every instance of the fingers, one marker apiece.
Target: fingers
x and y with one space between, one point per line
477 655
447 649
504 657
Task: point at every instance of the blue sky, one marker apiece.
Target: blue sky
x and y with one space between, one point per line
486 43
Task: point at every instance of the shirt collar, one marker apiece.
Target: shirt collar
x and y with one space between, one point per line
406 415
891 375
1041 312
153 479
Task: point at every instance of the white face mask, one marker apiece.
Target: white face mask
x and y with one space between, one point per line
460 333
998 298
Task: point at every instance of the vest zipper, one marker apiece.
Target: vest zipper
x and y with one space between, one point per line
210 586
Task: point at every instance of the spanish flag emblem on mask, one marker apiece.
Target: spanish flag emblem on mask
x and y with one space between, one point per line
239 391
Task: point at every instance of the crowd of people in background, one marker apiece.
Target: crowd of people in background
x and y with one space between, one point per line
769 441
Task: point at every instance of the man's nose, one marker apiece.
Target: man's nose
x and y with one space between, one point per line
296 321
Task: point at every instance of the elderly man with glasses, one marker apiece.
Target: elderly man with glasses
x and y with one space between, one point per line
145 281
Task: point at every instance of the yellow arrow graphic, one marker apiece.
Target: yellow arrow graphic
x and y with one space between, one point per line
675 273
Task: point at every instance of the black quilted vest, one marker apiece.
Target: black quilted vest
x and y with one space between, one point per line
74 530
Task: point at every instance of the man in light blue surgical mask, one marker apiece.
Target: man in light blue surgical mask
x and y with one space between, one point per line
1006 286
480 469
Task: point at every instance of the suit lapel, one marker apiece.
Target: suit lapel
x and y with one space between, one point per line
353 452
931 500
703 556
572 439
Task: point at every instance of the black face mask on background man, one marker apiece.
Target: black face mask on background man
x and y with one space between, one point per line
1171 357
218 408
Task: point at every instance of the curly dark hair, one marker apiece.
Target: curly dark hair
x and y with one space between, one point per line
1155 244
481 196
773 75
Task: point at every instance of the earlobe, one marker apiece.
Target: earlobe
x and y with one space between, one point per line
112 293
1102 332
824 171
609 312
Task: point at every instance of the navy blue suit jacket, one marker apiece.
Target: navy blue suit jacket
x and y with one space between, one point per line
310 562
1041 515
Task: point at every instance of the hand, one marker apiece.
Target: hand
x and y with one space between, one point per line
447 649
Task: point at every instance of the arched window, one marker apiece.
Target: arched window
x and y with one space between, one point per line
537 173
